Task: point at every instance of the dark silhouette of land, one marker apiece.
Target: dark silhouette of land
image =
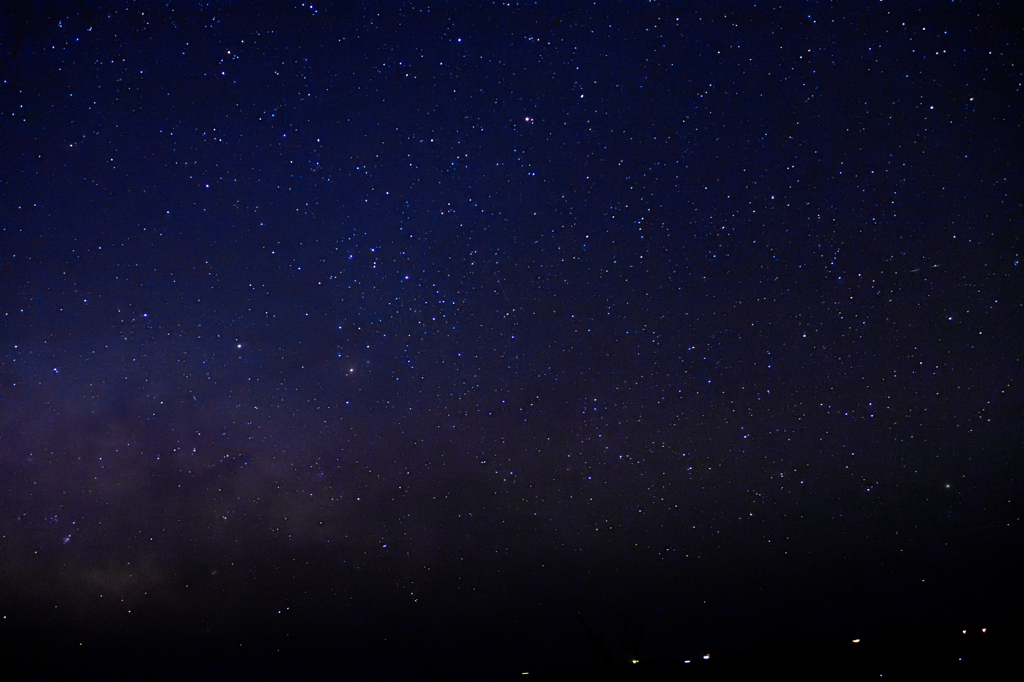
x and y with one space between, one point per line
331 655
496 619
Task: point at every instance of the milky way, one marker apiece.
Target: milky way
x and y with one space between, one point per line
438 323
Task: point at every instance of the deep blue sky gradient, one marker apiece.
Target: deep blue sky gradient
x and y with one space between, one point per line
510 308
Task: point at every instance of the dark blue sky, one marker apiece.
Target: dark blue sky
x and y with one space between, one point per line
531 309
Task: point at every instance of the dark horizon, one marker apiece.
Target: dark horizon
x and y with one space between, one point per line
309 622
454 341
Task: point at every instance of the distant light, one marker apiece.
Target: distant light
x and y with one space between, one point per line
856 641
984 629
965 632
635 661
707 656
685 661
239 345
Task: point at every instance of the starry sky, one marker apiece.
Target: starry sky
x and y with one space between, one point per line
460 320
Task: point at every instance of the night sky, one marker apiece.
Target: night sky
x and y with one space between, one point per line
478 339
